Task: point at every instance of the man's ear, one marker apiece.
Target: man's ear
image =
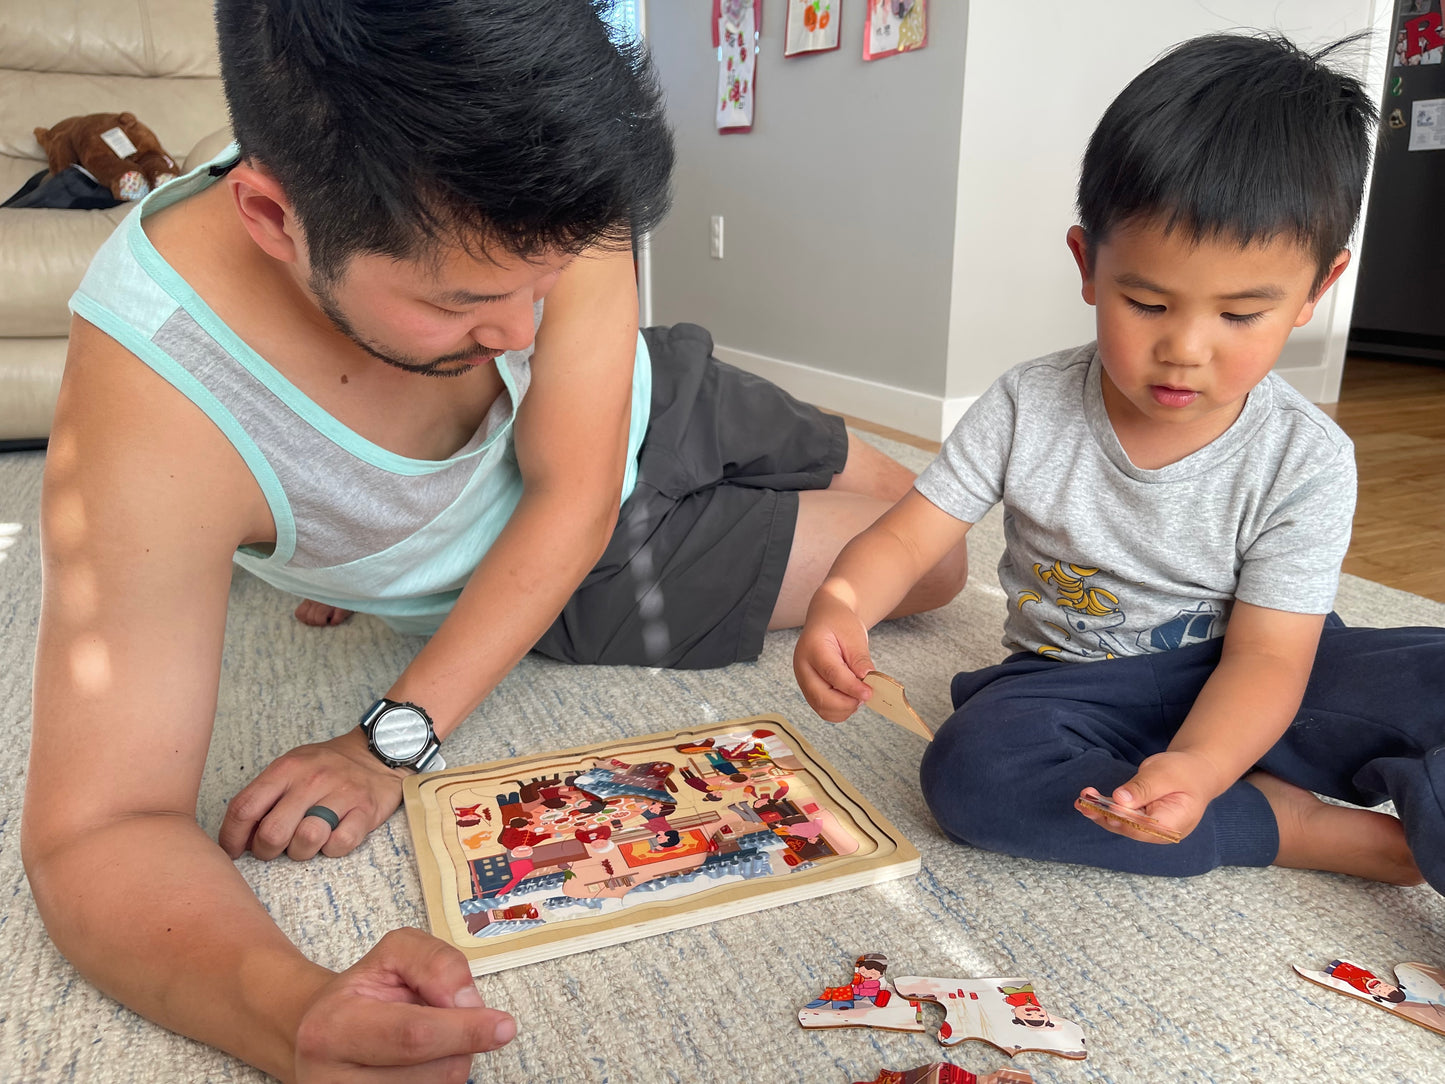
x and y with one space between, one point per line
265 211
1337 268
1078 243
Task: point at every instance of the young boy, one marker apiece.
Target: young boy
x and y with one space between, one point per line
1175 517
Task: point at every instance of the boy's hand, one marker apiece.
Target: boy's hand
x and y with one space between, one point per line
831 658
407 1010
1173 788
268 816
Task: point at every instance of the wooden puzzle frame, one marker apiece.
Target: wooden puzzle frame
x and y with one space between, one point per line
434 802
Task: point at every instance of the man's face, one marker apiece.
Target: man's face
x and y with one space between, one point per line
439 317
1187 328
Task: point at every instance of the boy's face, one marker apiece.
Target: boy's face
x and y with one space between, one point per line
1186 328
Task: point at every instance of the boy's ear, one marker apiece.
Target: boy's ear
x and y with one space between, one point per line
1337 268
265 211
1078 244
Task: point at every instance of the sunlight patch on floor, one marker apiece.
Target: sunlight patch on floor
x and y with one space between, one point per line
9 533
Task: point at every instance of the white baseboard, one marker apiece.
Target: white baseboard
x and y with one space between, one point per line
929 416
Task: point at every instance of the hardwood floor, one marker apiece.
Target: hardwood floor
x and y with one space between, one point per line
1395 413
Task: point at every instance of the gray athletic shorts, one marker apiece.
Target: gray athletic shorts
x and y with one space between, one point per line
693 570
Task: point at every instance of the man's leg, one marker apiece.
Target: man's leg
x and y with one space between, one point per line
828 519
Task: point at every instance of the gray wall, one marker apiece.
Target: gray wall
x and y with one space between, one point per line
839 204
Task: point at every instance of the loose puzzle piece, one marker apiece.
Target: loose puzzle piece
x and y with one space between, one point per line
1002 1011
1417 995
890 701
941 1072
1124 815
868 1001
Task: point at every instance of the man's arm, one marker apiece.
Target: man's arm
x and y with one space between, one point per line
143 504
571 443
1248 702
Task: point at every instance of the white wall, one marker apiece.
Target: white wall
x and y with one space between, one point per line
895 230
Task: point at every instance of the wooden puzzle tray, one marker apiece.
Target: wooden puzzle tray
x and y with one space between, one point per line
542 856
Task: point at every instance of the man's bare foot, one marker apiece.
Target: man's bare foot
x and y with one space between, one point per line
319 615
1340 839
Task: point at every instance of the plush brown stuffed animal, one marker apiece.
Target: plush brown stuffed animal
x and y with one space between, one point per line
117 150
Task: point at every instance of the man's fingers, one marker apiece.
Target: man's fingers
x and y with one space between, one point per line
347 835
388 1033
245 811
453 1070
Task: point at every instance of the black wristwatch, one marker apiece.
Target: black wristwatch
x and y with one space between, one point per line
401 735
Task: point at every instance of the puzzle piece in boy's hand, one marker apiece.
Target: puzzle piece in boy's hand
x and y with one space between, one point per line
1002 1011
941 1072
890 701
1418 996
866 1001
1122 814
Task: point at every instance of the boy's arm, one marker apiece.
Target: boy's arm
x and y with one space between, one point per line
143 504
868 580
571 445
1248 702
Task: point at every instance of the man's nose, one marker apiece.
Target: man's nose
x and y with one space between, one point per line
509 326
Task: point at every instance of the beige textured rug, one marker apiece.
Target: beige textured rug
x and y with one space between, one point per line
1183 980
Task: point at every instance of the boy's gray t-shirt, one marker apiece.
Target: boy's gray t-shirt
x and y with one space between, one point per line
1102 558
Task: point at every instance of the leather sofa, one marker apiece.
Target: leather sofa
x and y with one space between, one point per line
154 58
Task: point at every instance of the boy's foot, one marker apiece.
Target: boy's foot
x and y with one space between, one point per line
1339 839
319 614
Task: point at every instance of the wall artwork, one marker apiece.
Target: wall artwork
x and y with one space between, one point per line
1419 36
812 26
736 26
895 26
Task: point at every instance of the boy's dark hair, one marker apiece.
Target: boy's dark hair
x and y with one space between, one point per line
1231 136
391 124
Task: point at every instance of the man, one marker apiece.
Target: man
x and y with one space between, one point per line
384 355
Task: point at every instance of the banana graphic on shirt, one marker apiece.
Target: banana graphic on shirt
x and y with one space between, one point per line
1073 592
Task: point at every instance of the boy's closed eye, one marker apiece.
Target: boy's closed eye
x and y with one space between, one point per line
1232 317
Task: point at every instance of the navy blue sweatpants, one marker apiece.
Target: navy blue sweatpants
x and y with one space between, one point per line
1028 734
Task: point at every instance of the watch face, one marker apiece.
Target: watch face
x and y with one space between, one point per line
400 733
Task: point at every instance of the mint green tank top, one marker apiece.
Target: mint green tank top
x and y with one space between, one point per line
357 526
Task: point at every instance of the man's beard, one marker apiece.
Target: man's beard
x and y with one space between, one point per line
326 301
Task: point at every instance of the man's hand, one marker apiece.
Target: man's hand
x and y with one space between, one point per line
832 658
1174 788
406 1011
268 816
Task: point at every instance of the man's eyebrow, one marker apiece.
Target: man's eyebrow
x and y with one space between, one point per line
466 297
1264 292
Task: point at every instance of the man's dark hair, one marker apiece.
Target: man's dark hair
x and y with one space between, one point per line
519 125
1245 138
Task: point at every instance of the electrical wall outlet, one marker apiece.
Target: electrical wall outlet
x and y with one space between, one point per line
717 237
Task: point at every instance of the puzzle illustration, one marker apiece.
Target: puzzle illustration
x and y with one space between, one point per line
868 1001
1416 995
1002 1011
542 856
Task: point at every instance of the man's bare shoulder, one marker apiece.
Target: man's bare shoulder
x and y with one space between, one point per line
126 439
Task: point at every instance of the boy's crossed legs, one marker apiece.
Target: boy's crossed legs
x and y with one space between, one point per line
1029 734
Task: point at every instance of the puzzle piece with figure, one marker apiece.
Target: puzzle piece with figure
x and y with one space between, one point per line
1002 1011
1417 995
866 1001
942 1072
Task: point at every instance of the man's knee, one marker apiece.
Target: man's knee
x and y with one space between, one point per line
945 580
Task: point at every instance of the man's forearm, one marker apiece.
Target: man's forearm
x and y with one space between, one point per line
154 914
550 544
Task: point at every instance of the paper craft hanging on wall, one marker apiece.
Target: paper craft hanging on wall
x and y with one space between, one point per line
895 26
1420 36
736 26
812 26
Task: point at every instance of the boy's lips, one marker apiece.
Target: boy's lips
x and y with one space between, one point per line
1167 396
